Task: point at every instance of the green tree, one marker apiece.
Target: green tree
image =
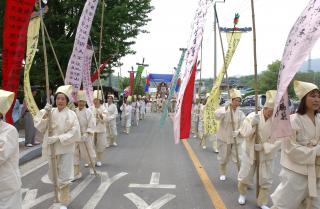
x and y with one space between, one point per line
124 20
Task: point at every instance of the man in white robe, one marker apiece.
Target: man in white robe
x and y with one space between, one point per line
111 123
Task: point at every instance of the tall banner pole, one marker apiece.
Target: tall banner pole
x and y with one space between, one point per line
256 94
52 149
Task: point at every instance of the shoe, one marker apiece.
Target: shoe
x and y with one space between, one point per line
194 136
29 145
108 146
99 164
91 171
86 165
204 147
223 178
36 143
77 177
63 207
115 144
216 151
264 207
242 200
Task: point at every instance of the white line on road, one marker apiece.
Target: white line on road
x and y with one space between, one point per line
151 186
141 204
34 168
155 178
106 182
30 196
77 190
154 183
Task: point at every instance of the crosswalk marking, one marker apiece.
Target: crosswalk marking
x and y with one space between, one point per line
141 204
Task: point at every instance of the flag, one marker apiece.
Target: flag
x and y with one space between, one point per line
302 37
191 57
95 75
16 21
32 44
146 88
174 84
138 78
131 82
75 66
186 106
86 82
211 125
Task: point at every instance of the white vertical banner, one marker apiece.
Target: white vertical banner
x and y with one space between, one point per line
302 37
75 66
191 57
86 76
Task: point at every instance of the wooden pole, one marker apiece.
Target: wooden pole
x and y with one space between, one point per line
52 149
256 94
54 52
231 111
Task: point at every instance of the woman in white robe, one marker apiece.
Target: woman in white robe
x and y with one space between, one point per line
10 189
127 110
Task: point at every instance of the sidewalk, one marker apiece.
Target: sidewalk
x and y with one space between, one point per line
27 153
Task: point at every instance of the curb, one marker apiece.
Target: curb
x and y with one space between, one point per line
30 155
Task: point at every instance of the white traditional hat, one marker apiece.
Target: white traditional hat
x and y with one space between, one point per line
197 96
270 98
81 96
6 100
66 90
129 99
207 95
97 94
234 93
303 88
111 95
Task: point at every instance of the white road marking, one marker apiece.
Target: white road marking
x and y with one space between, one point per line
34 168
106 182
76 190
30 196
154 183
45 179
155 178
141 204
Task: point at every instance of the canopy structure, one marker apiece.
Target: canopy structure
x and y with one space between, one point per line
158 78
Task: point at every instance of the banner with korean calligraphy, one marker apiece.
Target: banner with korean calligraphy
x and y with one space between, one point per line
32 43
302 37
86 82
75 66
191 57
211 125
16 21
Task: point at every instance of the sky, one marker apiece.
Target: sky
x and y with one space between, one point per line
170 29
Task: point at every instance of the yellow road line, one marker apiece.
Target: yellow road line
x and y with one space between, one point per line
211 190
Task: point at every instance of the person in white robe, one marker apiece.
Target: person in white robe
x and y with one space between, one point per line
300 154
266 148
84 145
111 124
229 140
61 129
126 108
142 108
10 179
195 117
135 111
100 114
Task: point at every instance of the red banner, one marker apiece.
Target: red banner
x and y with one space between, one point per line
131 81
186 106
16 21
95 75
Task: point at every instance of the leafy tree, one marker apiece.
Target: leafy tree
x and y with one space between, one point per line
123 22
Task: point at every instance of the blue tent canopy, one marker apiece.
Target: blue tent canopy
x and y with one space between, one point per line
157 78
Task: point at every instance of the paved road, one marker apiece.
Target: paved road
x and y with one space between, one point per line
146 171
